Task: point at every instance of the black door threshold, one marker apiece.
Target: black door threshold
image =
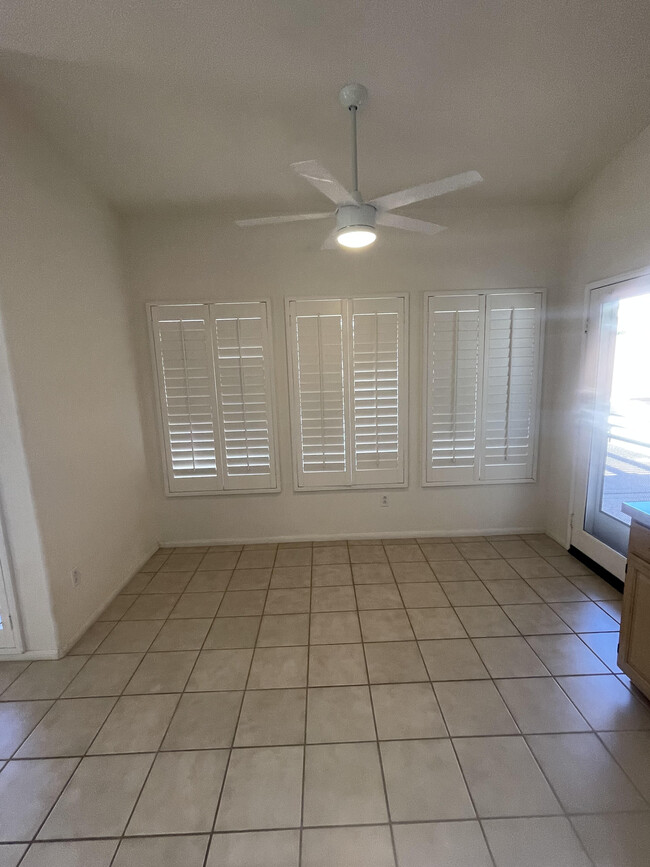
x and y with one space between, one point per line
603 573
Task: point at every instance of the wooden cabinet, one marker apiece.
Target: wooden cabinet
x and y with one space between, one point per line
634 644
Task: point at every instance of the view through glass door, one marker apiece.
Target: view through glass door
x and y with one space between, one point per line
617 454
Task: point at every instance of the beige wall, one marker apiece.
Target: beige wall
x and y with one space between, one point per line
73 474
199 256
608 233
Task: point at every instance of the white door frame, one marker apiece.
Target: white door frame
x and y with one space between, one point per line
8 599
602 554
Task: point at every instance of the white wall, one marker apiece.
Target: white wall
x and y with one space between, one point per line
200 256
70 358
608 230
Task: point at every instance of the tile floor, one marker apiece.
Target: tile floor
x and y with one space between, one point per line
423 702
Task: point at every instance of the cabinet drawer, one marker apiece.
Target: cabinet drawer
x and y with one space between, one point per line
639 541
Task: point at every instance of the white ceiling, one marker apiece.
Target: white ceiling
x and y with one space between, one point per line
208 101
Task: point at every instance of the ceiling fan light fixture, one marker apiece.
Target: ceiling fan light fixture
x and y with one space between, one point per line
355 225
355 237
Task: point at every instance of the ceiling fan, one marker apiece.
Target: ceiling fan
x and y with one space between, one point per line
355 218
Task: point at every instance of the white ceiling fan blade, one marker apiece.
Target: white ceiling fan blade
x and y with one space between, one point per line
426 191
319 177
330 243
288 218
396 221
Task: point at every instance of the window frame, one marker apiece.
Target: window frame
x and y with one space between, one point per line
219 433
536 404
347 303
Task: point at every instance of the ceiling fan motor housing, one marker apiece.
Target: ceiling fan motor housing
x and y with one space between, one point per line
349 216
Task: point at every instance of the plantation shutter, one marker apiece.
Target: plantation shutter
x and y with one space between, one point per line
454 358
319 393
183 349
512 347
242 353
378 390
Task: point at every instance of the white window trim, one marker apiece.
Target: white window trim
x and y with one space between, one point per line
537 403
160 421
404 416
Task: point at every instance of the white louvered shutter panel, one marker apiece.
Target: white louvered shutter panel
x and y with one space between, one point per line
244 393
378 392
319 396
183 349
454 358
510 384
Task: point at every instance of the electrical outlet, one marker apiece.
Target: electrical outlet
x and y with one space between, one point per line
384 500
75 575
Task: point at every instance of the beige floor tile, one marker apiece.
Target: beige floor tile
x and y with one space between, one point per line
11 853
395 662
436 623
452 659
339 714
413 573
28 789
377 596
117 608
547 547
291 601
182 635
130 637
44 680
337 665
138 583
272 717
477 550
291 576
338 627
486 620
67 729
566 654
461 593
632 751
372 573
439 551
605 703
359 846
210 581
533 567
330 555
546 842
557 589
75 853
445 844
218 561
567 565
136 724
162 672
537 619
293 557
181 793
423 595
343 785
539 706
232 632
242 603
615 841
262 789
504 778
341 543
162 852
250 579
260 558
455 570
605 646
17 720
404 553
203 721
283 630
584 776
255 849
514 549
594 587
493 570
92 638
613 607
390 625
333 599
512 592
367 554
168 582
104 675
220 670
185 562
474 707
196 606
99 798
423 719
509 657
424 781
154 563
278 668
155 607
329 576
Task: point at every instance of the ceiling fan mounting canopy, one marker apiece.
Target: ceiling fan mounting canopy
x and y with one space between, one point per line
355 218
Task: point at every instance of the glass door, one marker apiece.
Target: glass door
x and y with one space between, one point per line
616 457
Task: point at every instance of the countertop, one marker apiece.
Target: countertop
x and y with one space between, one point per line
639 512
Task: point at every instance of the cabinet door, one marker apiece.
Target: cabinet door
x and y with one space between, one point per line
634 647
